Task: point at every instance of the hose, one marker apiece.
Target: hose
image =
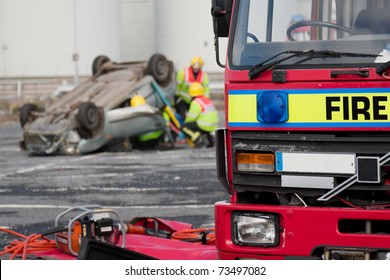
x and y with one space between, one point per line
32 244
205 236
38 242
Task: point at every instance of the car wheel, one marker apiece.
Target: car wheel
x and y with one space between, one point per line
160 68
83 133
25 115
88 116
98 62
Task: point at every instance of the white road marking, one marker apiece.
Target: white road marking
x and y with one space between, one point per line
103 189
141 169
47 206
46 166
10 149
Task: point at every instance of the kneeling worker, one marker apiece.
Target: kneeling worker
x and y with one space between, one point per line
202 117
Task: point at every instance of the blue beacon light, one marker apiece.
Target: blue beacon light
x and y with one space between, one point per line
272 106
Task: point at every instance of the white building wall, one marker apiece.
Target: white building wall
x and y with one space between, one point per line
137 29
185 30
39 37
98 31
180 29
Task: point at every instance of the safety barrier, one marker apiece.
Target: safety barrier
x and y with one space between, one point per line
31 87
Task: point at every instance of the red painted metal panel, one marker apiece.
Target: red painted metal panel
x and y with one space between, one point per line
160 248
304 230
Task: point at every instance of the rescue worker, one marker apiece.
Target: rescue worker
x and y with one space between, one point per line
149 140
184 78
202 117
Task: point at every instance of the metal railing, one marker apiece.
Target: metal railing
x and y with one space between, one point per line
32 87
38 87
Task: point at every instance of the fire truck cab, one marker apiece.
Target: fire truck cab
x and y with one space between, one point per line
305 152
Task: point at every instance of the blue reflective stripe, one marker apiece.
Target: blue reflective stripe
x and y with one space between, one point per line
279 161
311 125
314 91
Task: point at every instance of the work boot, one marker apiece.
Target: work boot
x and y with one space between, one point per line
211 141
201 141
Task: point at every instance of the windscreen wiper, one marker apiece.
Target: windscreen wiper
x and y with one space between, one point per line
310 54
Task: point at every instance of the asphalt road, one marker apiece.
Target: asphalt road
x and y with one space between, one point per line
178 184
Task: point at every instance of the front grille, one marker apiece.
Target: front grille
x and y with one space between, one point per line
358 144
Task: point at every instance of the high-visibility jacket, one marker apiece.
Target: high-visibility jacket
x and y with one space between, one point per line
153 135
203 112
185 77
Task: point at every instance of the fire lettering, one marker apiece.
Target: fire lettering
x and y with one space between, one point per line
353 107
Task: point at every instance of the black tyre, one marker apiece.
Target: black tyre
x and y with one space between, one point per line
88 116
160 68
25 113
83 133
98 62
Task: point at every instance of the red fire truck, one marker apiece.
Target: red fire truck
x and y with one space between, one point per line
305 152
305 155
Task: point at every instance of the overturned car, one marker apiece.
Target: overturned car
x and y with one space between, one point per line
96 115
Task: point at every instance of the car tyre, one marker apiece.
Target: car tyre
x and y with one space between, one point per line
25 113
88 116
83 133
160 68
98 62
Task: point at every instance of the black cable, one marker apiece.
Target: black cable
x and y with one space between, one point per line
54 230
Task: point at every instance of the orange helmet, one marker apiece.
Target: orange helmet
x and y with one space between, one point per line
196 89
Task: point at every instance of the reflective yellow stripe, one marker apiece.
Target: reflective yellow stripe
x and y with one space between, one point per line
242 108
150 135
325 108
191 115
206 123
185 96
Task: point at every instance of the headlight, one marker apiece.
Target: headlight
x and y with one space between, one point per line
255 229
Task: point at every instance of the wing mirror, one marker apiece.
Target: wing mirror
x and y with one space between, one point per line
221 13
